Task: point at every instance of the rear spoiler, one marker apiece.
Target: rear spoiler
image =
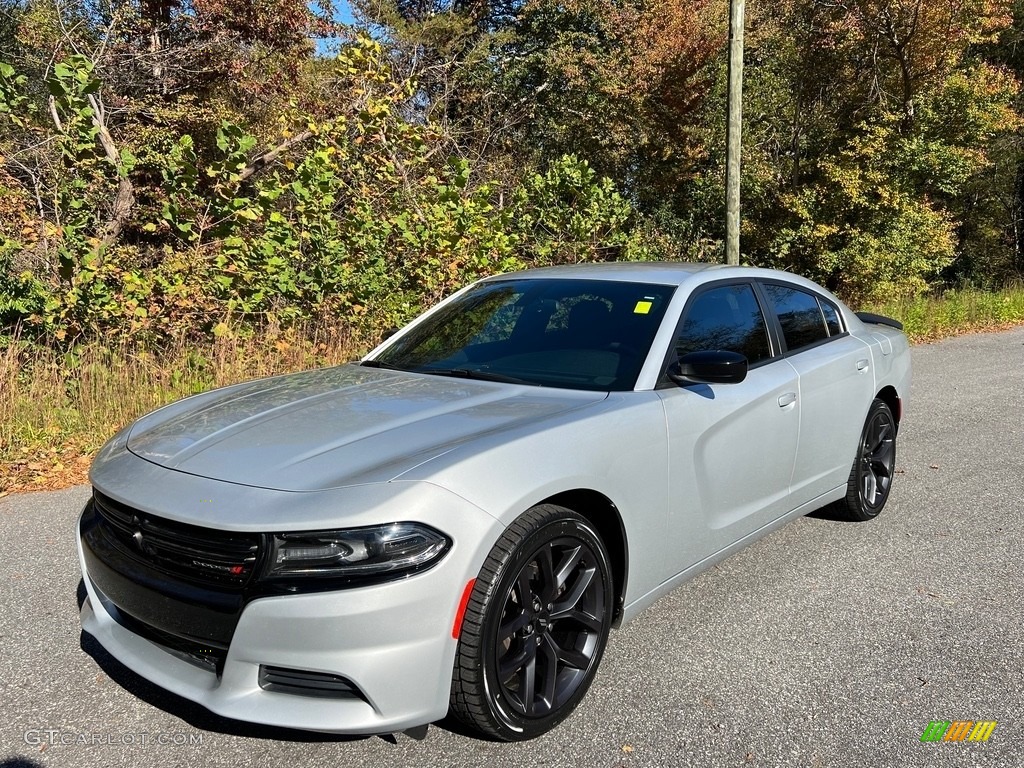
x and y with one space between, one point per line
871 317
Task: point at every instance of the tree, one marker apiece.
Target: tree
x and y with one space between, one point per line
872 135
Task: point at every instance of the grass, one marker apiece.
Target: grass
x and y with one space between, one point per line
56 409
927 318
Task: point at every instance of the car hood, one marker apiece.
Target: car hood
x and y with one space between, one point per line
337 426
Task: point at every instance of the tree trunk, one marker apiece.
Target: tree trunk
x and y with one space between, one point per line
1017 218
124 200
157 15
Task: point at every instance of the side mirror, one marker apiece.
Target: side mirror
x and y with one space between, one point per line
389 333
716 366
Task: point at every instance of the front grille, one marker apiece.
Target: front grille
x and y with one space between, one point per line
301 682
203 556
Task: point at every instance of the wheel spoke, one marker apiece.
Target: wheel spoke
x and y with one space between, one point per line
571 598
522 588
883 454
880 433
870 486
548 650
546 589
880 469
582 618
528 681
573 658
516 661
567 567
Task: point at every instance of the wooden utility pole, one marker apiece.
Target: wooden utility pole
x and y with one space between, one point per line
734 132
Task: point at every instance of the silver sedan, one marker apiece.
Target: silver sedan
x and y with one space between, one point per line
457 521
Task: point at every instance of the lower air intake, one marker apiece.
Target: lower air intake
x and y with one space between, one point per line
300 682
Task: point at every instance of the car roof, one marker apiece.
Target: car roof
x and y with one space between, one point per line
660 272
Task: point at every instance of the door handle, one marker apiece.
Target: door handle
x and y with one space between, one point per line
862 365
787 399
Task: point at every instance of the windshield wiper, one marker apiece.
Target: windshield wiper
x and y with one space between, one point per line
476 373
458 373
385 366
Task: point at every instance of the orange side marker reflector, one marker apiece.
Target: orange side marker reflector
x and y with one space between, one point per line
461 613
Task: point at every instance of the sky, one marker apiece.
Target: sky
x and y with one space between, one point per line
343 12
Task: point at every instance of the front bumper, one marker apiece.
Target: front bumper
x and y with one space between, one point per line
393 642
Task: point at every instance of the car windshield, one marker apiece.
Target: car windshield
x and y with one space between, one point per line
577 334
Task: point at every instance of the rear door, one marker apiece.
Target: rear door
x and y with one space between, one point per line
835 386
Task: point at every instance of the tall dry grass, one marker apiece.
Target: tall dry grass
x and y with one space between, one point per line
931 317
54 402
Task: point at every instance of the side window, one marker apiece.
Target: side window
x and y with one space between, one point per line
727 318
799 315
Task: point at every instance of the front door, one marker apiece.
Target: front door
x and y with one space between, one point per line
731 446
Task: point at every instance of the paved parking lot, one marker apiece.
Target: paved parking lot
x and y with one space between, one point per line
825 644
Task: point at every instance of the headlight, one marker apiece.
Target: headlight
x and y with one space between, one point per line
383 551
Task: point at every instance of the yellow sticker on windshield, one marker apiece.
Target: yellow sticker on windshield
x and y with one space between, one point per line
642 307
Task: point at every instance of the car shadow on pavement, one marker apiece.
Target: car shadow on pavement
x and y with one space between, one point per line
825 513
19 762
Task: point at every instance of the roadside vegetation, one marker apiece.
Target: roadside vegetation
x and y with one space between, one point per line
57 409
931 317
200 191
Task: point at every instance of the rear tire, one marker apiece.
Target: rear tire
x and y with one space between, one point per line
871 476
535 627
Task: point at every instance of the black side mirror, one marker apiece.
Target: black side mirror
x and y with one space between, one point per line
713 366
389 333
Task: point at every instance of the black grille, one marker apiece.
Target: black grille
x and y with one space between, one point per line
200 555
300 682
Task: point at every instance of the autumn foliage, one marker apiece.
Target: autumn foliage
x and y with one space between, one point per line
192 167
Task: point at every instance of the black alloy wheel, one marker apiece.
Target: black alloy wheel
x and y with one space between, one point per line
535 627
872 473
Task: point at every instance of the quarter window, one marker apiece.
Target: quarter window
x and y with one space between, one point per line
831 318
728 318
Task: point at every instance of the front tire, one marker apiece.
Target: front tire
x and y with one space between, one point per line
871 476
535 627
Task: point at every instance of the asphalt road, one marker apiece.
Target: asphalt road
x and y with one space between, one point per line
825 644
